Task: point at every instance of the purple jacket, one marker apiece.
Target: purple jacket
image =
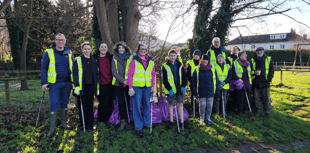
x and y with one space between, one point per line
245 77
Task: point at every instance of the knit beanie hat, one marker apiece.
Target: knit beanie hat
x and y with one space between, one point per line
197 52
206 57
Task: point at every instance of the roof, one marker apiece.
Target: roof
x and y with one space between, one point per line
265 39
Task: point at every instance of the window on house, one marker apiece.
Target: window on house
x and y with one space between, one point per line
271 46
252 46
281 46
243 46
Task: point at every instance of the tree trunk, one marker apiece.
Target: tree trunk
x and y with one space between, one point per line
101 8
130 18
28 21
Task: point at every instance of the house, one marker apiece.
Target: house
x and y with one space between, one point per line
269 41
152 42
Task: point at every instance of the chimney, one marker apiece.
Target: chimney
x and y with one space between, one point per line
304 36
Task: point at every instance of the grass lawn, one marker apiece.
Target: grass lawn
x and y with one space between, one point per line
289 123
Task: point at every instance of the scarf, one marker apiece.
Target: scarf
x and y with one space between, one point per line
205 68
243 62
122 56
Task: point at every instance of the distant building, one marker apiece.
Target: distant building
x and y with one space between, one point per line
180 45
269 41
152 42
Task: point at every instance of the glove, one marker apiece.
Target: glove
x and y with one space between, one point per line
98 92
183 91
77 91
131 92
171 93
222 85
153 90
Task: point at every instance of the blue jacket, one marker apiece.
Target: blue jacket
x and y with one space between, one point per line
62 66
95 74
206 88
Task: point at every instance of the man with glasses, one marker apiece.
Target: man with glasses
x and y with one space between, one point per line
56 74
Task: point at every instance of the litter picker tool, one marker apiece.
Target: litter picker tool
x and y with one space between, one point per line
127 109
82 112
273 103
151 128
223 104
247 98
176 114
40 108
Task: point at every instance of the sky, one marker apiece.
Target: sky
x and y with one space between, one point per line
272 24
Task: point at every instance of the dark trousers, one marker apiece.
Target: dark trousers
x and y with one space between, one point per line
232 101
88 104
120 93
242 101
105 106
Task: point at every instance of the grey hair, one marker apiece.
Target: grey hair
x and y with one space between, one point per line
215 39
60 34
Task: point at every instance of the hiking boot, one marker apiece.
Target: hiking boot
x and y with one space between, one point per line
140 133
101 124
63 118
53 117
108 124
185 125
122 126
210 122
170 125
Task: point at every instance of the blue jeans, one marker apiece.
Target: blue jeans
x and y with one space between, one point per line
59 95
205 102
141 94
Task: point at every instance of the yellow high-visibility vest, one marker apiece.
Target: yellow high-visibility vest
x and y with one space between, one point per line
170 78
80 68
191 63
222 74
51 73
214 78
126 71
239 70
267 64
142 77
213 58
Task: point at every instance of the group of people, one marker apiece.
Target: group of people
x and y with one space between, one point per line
131 77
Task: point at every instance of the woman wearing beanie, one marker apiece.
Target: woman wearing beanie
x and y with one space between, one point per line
141 82
242 75
191 64
205 85
224 73
120 66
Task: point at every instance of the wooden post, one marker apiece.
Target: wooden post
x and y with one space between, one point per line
281 77
7 95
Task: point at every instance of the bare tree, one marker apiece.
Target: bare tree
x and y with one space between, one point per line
4 5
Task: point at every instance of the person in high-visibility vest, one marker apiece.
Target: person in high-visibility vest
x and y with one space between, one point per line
191 64
106 96
56 72
215 50
242 81
86 83
177 49
174 80
233 55
206 86
263 72
120 66
231 105
141 82
224 74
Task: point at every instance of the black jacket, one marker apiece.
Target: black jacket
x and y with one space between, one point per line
189 69
178 86
261 81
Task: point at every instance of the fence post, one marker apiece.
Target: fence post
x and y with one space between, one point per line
281 77
7 95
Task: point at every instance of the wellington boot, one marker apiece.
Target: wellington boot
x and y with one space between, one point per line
63 118
53 117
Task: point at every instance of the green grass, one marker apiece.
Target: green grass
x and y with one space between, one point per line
289 123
